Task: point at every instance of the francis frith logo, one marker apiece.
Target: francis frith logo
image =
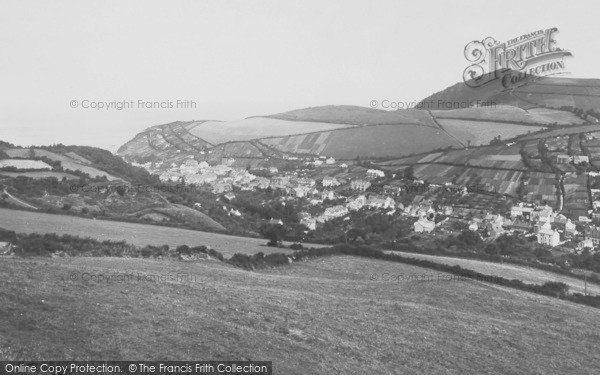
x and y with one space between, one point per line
530 55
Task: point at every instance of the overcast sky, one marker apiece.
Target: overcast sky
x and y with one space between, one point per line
245 58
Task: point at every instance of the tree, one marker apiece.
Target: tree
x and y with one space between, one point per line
273 232
496 141
354 233
409 173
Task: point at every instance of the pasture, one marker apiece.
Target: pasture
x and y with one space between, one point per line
40 174
482 132
341 315
133 233
366 141
68 163
509 271
542 116
217 132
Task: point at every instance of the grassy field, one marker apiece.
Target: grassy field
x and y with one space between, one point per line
346 114
509 271
68 163
366 141
135 234
541 116
481 133
217 132
325 316
40 174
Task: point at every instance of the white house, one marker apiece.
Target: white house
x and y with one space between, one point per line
424 225
301 191
547 236
310 223
578 159
360 185
357 203
335 212
375 173
328 194
330 181
521 210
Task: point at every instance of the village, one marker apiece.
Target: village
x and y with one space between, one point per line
330 190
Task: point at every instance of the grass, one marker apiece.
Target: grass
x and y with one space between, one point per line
40 175
133 233
319 316
217 132
542 116
481 133
509 271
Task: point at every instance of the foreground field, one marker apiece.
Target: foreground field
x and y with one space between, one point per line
135 234
321 316
509 271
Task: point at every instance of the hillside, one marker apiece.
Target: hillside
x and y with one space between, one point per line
310 317
553 92
508 271
341 132
134 233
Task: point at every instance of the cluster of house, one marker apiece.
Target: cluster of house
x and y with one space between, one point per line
576 159
373 201
552 228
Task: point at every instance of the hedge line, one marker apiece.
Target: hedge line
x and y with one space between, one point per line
552 289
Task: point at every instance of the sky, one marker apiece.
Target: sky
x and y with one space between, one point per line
236 59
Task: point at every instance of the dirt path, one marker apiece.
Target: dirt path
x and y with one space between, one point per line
18 201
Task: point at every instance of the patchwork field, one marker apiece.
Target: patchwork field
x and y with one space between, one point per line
505 113
40 174
491 180
562 131
321 316
540 188
577 200
481 133
217 132
558 96
353 115
437 173
366 141
68 163
501 156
